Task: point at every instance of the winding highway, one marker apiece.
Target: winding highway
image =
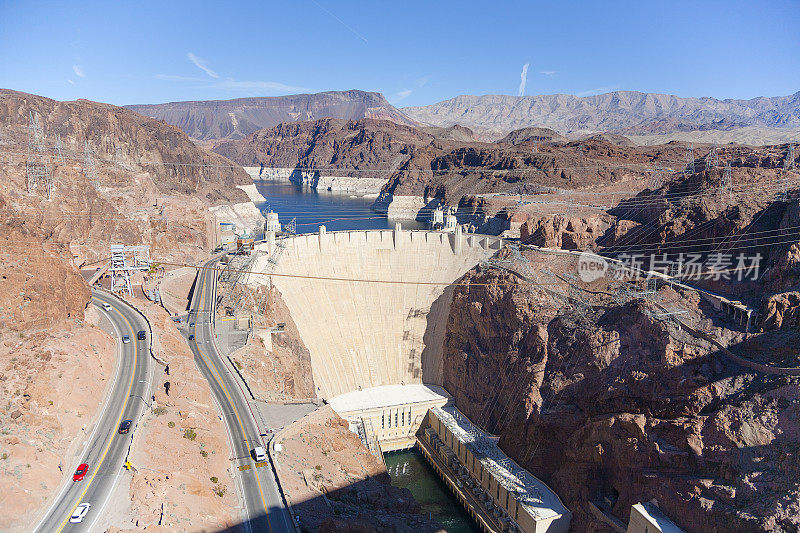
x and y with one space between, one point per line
264 508
106 450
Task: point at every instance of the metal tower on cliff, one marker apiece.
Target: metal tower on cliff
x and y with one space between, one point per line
37 166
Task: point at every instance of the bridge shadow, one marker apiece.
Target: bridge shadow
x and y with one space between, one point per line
365 506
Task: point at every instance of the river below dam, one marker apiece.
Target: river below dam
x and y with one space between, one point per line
410 470
336 211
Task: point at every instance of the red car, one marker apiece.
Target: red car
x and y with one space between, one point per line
80 472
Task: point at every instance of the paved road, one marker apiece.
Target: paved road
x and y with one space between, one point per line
264 509
106 450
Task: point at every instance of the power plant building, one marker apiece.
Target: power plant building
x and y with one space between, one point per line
500 494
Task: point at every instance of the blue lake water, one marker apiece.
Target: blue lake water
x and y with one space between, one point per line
335 211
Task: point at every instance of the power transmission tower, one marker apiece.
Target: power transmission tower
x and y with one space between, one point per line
726 183
712 159
689 170
58 150
37 166
291 227
119 161
789 163
127 260
657 178
89 165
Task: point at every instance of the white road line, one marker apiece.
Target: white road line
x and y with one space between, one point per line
118 364
100 510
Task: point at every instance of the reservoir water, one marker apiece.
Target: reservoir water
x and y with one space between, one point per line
342 212
335 211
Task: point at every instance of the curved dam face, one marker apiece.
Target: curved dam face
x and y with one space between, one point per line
379 317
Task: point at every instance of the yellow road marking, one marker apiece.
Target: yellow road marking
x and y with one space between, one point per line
218 379
124 406
244 467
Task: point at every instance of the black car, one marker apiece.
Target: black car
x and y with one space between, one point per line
141 335
191 336
125 426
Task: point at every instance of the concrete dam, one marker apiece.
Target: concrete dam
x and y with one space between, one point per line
371 306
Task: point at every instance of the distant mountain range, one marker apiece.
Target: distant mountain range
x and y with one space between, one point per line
646 118
624 112
234 119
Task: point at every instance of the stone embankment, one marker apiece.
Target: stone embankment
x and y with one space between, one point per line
320 182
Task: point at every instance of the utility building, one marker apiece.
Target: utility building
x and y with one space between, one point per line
450 220
437 218
245 243
647 518
499 494
272 223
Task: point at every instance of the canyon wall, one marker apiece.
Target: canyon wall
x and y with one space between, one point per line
610 405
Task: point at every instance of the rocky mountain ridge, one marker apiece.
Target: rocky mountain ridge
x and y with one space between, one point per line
235 119
625 112
414 162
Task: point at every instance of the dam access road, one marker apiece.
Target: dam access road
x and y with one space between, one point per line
264 509
106 450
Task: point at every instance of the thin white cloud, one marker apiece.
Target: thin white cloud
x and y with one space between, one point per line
402 95
230 83
523 79
598 90
200 63
548 72
78 71
422 80
71 82
171 77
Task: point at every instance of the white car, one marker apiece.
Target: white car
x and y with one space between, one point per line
80 513
259 454
107 307
126 339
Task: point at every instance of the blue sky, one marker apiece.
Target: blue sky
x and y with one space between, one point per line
415 53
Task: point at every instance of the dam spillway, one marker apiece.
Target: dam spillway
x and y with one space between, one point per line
372 306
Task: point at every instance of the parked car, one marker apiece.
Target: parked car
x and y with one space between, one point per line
126 339
125 426
259 453
80 513
107 307
191 336
80 472
141 335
